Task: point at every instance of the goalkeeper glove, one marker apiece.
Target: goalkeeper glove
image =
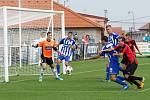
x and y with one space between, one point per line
35 45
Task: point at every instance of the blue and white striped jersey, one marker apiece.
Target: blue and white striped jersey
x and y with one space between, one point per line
113 38
66 48
109 54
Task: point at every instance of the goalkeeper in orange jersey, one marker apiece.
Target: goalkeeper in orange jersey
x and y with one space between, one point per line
46 55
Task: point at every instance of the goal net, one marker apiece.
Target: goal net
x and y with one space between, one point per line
19 29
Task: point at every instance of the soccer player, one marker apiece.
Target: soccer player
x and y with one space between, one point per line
46 56
131 64
132 44
112 38
113 63
68 45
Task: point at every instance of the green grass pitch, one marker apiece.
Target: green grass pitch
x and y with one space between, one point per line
84 84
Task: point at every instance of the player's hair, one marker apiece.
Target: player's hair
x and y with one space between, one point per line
70 32
128 34
122 39
108 26
105 38
48 33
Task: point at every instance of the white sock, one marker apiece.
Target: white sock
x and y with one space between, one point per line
41 72
54 72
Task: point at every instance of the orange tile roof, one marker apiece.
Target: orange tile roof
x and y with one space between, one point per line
72 19
117 30
97 19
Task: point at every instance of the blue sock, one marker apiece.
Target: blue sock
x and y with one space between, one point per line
121 78
58 68
120 81
107 74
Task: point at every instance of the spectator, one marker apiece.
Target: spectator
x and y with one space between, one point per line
146 38
76 53
85 40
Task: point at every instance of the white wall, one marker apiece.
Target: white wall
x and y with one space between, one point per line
92 32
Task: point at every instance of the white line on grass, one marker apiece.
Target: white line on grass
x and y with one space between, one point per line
37 80
21 81
77 73
101 69
80 91
86 72
145 64
145 90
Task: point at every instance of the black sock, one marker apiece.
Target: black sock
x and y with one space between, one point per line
135 78
131 79
136 83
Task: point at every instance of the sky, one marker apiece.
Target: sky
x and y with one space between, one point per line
117 11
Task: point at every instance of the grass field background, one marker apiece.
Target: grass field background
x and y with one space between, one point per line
84 84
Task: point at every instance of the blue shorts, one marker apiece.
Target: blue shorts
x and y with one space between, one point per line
66 58
114 68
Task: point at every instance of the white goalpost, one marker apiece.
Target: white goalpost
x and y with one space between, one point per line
17 57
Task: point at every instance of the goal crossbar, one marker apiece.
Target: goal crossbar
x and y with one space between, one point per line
11 20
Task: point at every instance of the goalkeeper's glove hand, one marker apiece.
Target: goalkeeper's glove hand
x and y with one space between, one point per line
35 45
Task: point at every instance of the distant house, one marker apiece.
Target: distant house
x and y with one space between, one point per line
143 31
102 21
73 21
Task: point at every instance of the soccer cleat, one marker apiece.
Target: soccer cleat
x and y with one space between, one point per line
107 81
59 78
125 87
138 87
142 82
40 79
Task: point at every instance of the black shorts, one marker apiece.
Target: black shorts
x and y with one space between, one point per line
49 61
131 68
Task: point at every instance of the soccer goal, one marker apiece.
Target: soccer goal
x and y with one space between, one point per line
19 29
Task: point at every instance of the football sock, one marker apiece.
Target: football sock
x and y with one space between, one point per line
41 72
136 83
58 68
121 78
54 72
120 81
135 78
107 74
